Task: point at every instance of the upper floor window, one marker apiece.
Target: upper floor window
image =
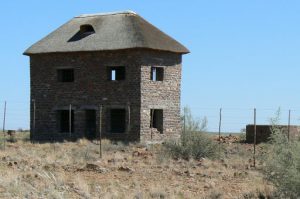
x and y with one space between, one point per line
86 30
116 73
157 73
65 75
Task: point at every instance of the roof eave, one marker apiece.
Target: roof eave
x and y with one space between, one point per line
28 53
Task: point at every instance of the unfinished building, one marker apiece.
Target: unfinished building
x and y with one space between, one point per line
113 73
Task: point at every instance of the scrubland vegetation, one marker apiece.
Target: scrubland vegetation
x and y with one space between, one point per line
74 170
193 167
282 165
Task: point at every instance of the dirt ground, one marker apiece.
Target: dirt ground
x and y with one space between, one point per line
75 170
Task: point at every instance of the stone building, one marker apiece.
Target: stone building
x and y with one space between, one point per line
263 132
113 70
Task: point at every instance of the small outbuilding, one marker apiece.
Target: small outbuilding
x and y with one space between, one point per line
109 72
263 132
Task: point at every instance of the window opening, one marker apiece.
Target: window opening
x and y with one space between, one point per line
65 75
116 73
156 119
84 31
90 124
157 73
64 121
87 29
117 120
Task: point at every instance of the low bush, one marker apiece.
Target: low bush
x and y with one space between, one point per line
108 145
194 142
282 164
242 137
193 145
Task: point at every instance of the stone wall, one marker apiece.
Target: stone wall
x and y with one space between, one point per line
163 95
263 132
91 88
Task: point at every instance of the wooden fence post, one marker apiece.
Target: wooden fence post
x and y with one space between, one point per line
254 140
220 123
289 125
100 131
151 125
4 118
33 119
70 120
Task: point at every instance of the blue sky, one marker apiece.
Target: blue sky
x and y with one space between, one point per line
244 54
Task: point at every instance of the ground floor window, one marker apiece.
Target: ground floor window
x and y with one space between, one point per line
65 119
90 124
117 120
156 119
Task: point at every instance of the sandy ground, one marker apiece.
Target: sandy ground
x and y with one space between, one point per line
75 170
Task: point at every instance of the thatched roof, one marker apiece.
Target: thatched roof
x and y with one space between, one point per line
107 31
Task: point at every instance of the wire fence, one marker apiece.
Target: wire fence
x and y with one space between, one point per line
221 121
229 123
234 119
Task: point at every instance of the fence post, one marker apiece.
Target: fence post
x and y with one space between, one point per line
4 118
151 125
33 121
129 117
254 140
220 123
289 125
184 121
70 120
100 131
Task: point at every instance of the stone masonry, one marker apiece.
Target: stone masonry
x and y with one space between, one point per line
137 94
263 132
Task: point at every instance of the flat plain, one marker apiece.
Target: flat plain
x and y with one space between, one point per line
134 170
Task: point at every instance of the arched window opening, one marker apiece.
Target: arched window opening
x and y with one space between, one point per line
84 31
87 29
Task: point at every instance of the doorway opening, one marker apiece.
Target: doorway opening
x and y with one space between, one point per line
64 121
90 124
156 119
117 120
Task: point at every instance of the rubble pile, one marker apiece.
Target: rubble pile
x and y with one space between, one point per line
227 139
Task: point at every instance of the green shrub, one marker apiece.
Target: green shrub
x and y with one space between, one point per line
193 145
282 164
242 138
194 142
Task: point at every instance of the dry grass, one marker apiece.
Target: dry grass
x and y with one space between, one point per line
74 170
